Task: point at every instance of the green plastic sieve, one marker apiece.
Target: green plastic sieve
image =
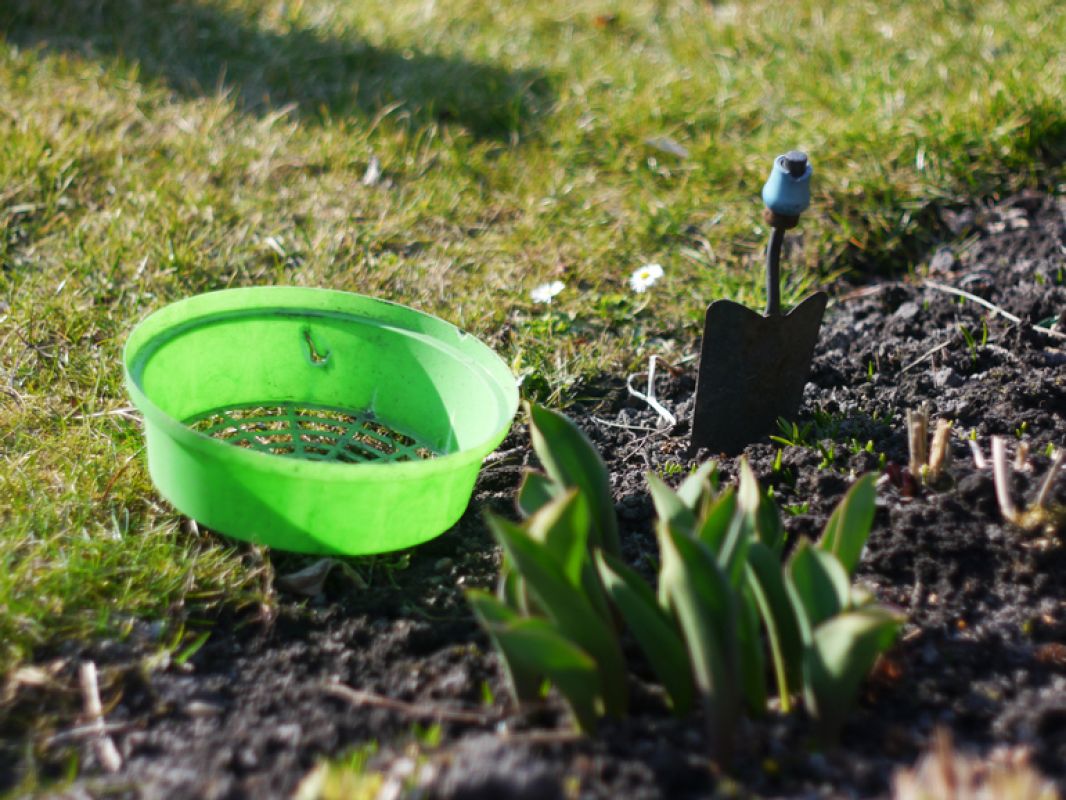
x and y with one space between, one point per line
313 420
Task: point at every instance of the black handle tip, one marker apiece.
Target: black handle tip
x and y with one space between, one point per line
795 161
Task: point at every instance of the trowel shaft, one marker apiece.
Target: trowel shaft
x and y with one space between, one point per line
773 272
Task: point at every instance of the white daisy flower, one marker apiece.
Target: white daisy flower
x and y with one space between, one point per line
644 277
546 291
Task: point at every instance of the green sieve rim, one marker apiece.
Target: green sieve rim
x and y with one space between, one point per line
225 305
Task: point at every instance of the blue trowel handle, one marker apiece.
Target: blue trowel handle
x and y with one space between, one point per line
788 189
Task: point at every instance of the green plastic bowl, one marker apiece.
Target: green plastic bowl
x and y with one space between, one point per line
313 420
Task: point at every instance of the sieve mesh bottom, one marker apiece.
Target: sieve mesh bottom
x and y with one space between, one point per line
316 433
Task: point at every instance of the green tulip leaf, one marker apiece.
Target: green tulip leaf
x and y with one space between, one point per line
653 629
820 586
562 526
765 577
752 660
567 606
511 589
570 460
842 653
768 525
713 527
668 504
532 648
703 601
748 494
734 553
536 491
848 527
698 485
523 676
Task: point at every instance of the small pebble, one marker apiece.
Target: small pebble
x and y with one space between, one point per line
908 310
946 377
289 733
943 261
247 758
199 708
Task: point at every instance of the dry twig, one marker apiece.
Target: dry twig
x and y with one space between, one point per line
926 355
991 307
85 732
360 698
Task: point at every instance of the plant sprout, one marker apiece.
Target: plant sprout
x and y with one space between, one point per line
729 610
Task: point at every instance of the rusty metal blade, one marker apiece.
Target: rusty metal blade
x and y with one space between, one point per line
752 370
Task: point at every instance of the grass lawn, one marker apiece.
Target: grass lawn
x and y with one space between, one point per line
154 150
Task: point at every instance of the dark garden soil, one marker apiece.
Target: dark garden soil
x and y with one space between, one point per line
983 654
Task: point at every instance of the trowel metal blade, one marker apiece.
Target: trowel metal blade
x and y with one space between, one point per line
752 370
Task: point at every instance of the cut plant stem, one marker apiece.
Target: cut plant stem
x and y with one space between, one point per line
1053 470
1021 456
1036 516
918 438
1001 477
105 748
940 455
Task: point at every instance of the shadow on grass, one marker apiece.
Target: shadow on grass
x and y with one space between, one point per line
198 48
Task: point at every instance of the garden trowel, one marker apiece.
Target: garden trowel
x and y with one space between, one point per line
753 367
